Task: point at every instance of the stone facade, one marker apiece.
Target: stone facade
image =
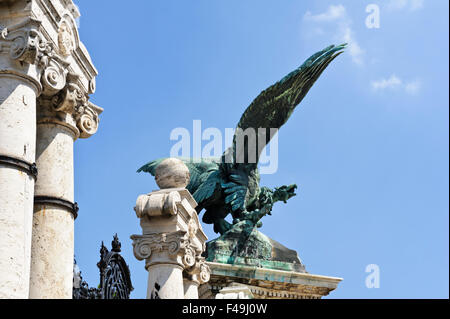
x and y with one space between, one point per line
46 78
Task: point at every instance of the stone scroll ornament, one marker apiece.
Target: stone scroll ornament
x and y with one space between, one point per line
230 184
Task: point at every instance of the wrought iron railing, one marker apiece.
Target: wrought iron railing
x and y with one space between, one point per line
115 279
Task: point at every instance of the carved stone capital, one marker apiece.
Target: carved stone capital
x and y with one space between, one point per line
22 40
172 248
21 45
166 248
87 118
145 245
70 106
54 73
59 67
199 272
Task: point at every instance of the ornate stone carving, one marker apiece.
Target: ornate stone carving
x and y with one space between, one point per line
92 86
145 245
157 204
23 40
189 256
54 74
199 271
59 89
65 39
175 244
205 272
87 119
70 107
69 100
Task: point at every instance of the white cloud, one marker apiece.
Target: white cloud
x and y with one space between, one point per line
391 83
411 5
333 13
413 87
339 23
395 83
416 4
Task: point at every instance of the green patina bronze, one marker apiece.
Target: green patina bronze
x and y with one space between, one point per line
230 184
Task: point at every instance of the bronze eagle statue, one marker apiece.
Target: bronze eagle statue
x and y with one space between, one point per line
230 184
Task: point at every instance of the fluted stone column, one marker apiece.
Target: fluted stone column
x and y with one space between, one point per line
19 86
172 239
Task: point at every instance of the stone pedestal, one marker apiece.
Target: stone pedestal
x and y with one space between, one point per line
172 241
227 281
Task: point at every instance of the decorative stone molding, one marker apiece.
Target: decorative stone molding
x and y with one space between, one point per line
65 39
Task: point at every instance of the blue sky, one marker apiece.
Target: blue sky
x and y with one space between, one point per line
368 146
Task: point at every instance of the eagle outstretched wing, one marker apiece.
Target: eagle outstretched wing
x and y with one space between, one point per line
265 115
273 106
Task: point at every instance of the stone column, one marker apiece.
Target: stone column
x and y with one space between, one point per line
41 57
172 239
19 86
64 113
54 206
